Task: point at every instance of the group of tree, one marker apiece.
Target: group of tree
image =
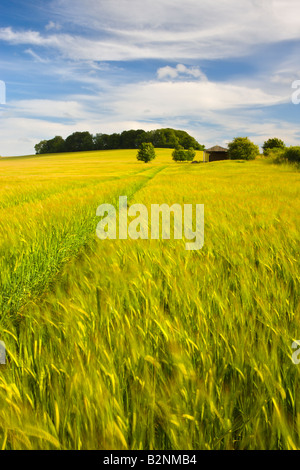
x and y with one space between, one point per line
146 153
132 139
241 148
276 149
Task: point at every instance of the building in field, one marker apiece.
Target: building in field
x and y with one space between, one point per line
217 153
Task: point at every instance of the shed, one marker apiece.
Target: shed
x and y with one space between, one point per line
217 153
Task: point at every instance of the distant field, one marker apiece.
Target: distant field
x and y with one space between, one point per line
141 344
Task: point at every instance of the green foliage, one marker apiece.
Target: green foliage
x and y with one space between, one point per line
132 139
178 154
79 142
187 141
292 154
40 147
241 148
55 145
272 144
286 155
181 155
114 141
146 152
191 154
275 155
101 142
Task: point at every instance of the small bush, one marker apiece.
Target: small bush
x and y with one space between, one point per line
275 155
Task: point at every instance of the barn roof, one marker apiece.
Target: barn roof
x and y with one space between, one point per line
217 148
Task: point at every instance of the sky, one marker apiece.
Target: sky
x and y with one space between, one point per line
217 70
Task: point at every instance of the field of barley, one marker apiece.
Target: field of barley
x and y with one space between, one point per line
140 344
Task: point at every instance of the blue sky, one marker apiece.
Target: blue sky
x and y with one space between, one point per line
217 69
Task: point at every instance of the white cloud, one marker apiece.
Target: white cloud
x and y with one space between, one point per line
162 99
172 29
179 70
26 37
53 25
47 109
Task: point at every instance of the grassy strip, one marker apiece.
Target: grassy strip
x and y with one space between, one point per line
55 237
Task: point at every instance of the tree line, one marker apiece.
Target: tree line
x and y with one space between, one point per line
84 141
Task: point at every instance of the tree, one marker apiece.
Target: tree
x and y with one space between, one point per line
114 141
41 147
143 137
187 141
170 138
79 142
178 154
55 145
190 153
131 139
241 148
181 155
146 152
272 144
101 141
